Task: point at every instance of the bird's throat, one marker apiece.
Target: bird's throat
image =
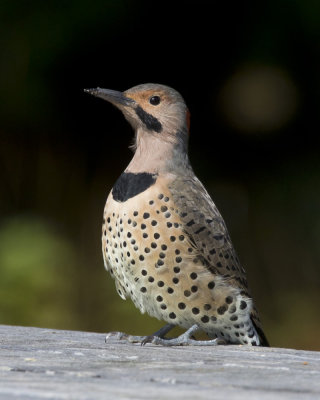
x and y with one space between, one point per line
151 154
156 155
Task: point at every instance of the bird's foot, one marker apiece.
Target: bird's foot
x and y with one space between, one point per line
140 339
186 339
123 336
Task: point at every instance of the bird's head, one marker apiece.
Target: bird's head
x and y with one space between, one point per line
157 113
153 108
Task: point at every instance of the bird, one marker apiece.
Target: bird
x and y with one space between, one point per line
164 241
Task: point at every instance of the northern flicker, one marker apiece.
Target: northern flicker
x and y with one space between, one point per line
164 241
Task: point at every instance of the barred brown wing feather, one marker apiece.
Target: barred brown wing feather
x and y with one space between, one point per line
207 230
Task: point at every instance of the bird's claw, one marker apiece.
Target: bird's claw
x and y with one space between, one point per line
116 336
129 338
148 339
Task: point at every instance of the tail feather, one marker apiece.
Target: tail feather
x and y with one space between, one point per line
263 340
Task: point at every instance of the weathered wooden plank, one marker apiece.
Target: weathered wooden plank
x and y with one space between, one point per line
51 364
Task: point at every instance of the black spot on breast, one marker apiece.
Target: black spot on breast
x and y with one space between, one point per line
211 285
130 185
149 120
221 310
243 305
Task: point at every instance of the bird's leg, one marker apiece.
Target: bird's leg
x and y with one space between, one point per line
141 339
185 339
161 333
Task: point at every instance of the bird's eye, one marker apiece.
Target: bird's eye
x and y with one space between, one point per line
154 100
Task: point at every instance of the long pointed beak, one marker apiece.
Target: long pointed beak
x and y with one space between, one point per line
113 96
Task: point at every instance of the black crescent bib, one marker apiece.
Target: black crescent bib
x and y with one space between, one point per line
130 185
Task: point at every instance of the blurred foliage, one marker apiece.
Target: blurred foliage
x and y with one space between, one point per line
32 276
250 75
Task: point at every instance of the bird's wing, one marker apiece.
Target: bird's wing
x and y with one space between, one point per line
208 233
206 229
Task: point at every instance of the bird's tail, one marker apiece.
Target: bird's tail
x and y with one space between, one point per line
263 339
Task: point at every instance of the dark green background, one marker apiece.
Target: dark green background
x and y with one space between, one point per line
249 72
